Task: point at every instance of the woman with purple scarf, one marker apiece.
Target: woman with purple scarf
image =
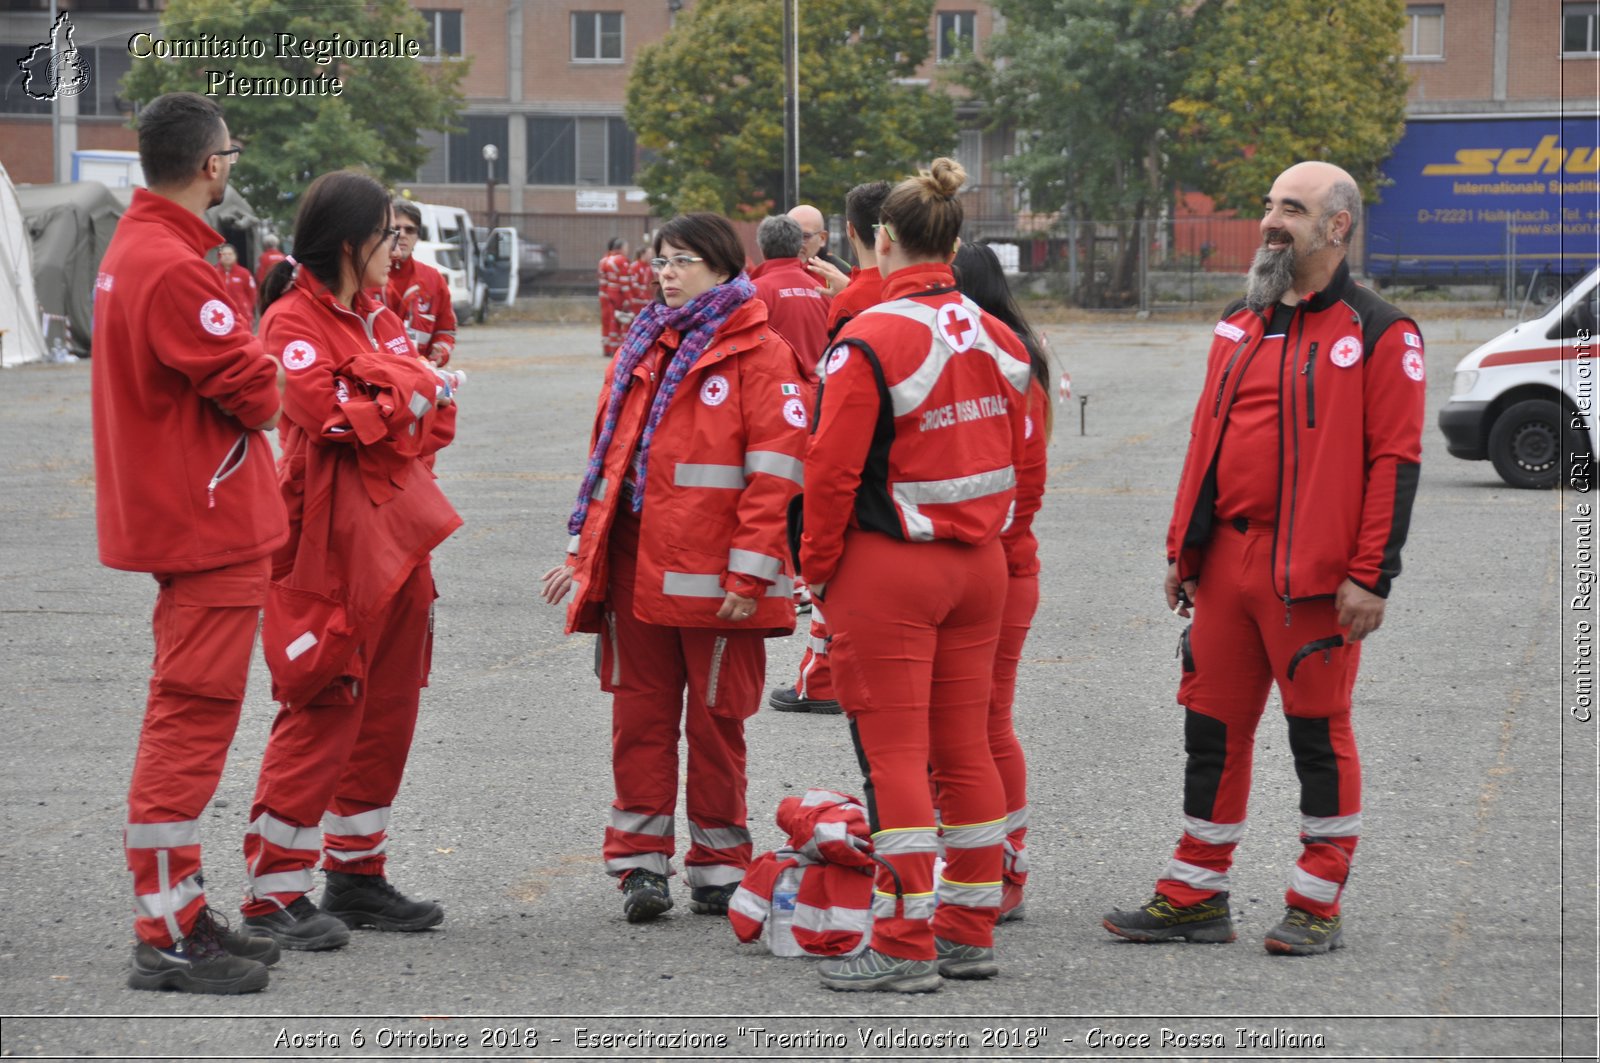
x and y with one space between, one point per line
679 558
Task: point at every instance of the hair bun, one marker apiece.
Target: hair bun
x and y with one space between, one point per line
946 176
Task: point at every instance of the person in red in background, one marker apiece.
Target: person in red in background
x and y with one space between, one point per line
365 513
797 302
642 289
813 688
616 281
271 255
981 279
238 283
179 387
417 293
1293 505
680 556
912 471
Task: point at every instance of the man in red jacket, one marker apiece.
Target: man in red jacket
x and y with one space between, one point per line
1294 503
271 255
238 283
418 293
615 274
797 301
185 489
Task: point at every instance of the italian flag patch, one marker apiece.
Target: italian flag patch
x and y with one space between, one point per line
791 389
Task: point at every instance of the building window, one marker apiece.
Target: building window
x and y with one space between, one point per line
1580 29
1423 35
442 33
597 36
567 150
957 34
464 162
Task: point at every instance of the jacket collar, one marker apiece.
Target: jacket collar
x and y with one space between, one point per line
189 227
779 265
1335 290
318 292
924 278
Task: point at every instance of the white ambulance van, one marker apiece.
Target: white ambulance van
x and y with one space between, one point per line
1526 400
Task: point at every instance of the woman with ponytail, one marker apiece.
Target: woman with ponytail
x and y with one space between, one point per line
911 479
982 280
361 411
679 559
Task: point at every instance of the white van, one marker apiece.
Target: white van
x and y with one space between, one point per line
1526 399
489 265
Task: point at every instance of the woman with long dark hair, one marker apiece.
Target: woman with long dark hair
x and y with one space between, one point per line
913 471
348 633
679 558
981 279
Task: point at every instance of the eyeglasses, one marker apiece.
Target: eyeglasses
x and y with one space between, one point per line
234 151
407 230
813 236
676 262
885 227
390 235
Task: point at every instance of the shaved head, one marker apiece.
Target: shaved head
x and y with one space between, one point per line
1307 220
813 227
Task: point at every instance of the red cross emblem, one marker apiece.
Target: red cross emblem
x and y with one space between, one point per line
217 318
957 327
714 392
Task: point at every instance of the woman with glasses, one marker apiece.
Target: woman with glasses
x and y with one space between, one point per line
418 293
679 558
361 410
913 470
981 279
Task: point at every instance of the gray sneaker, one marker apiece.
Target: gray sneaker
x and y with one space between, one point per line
965 961
1209 921
1304 934
872 971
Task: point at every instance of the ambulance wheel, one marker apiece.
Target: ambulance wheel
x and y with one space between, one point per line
1526 444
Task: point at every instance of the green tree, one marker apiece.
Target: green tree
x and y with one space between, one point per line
1276 82
1088 83
706 102
374 123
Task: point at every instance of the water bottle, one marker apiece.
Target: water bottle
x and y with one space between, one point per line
779 930
450 381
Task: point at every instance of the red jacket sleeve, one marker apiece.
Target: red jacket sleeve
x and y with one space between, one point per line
195 331
443 343
835 459
774 463
1393 389
1022 548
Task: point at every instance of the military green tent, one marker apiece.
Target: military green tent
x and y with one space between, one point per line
70 227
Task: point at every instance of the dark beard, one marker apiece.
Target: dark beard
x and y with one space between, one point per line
1271 274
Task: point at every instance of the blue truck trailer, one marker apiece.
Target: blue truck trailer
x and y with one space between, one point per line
1507 199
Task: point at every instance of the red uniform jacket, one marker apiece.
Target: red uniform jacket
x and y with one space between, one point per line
1350 420
922 423
797 306
241 289
865 289
1022 548
269 258
616 277
724 463
182 484
356 396
420 296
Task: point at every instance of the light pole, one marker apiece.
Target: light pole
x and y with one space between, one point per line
791 104
490 154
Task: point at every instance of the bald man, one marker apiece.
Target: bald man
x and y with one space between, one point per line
1292 508
814 231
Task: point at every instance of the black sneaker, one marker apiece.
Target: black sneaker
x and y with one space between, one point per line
1209 921
789 700
711 900
198 963
370 900
644 895
1304 934
261 948
301 927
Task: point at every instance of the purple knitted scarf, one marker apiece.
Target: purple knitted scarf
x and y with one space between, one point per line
696 321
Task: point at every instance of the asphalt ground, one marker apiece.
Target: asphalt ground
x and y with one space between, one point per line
1471 917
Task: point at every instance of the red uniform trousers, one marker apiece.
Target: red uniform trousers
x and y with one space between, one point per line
338 761
816 677
205 628
1238 646
646 668
610 328
1022 601
913 661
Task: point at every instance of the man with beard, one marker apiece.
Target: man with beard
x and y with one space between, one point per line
1292 508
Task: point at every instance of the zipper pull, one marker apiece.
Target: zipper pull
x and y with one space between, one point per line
1327 655
211 494
1286 614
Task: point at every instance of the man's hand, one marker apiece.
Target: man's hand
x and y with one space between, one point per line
736 607
557 582
1360 610
1180 596
836 280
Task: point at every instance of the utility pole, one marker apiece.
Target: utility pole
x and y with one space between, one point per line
791 105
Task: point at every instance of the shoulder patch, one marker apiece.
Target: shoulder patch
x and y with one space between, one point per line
1412 364
1412 339
216 317
794 411
298 355
1345 352
837 357
1229 331
714 392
